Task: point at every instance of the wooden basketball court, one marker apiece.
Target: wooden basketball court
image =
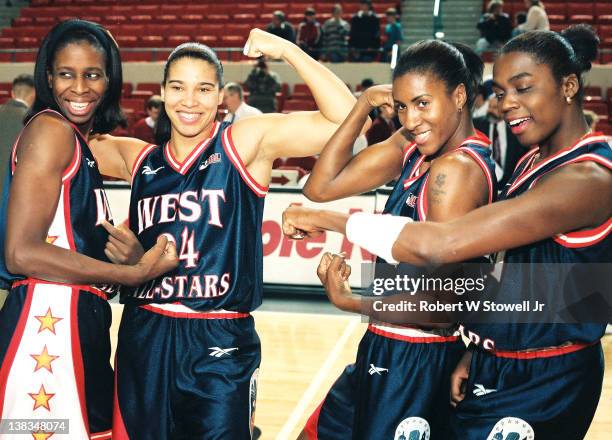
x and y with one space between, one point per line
302 355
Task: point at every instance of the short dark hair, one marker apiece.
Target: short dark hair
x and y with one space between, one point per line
108 114
163 128
452 63
570 52
25 79
154 101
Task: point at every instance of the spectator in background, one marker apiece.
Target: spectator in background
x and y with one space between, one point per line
144 129
281 27
383 126
393 32
365 84
309 34
591 118
537 20
506 150
520 18
335 35
12 113
495 28
364 37
263 86
233 98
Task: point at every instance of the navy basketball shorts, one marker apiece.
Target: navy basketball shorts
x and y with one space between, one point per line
55 354
543 395
182 374
399 385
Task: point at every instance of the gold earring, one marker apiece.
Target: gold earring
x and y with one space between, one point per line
568 99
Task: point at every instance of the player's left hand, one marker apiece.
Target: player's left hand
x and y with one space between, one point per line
263 43
122 246
334 274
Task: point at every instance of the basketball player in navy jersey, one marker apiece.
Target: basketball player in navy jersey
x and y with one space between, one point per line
54 326
443 170
188 354
545 378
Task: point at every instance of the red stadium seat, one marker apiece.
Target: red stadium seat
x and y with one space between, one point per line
555 9
139 56
298 8
7 43
218 18
153 87
209 40
298 105
152 41
26 43
175 40
231 41
593 91
238 29
248 19
23 21
226 9
581 18
605 31
141 18
167 19
127 41
182 29
25 57
246 8
126 90
136 105
600 108
147 9
556 18
135 30
197 9
603 8
192 18
142 94
306 163
115 19
574 8
605 127
268 8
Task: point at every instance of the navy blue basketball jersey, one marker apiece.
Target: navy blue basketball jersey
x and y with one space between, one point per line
409 196
81 210
587 246
212 208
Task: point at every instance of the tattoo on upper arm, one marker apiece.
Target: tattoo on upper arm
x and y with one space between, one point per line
438 191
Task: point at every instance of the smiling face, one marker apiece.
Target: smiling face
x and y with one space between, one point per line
191 96
427 110
78 82
530 99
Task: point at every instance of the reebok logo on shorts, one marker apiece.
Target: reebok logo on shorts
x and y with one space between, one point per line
220 352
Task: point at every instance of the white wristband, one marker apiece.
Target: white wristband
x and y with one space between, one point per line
375 232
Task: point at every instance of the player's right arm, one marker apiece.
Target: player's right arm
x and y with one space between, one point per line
338 173
45 150
116 155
